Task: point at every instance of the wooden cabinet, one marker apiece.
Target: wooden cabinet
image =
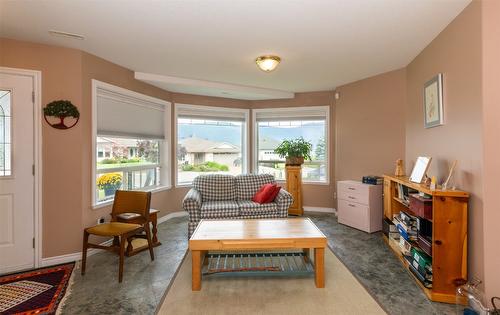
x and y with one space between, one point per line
294 187
360 205
449 235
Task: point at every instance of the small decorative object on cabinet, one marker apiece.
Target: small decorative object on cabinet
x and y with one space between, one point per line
442 233
360 205
294 187
399 168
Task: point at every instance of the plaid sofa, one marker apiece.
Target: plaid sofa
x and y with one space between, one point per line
217 196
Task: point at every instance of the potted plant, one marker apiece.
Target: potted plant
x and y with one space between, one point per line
294 151
109 182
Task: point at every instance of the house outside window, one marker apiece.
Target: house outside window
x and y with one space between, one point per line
210 140
272 126
131 137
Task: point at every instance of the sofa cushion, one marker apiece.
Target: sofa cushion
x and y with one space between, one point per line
264 194
248 185
248 207
219 209
216 187
275 193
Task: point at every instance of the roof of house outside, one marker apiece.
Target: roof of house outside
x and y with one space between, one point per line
198 145
266 143
117 141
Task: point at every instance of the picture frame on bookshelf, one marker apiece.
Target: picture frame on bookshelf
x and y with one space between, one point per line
420 169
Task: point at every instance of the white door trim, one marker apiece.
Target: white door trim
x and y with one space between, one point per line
37 159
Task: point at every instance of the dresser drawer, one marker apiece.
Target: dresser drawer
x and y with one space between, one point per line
354 214
354 196
352 186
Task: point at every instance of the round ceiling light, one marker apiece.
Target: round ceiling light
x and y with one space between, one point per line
267 63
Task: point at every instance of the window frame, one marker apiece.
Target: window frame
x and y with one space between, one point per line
293 112
165 145
218 113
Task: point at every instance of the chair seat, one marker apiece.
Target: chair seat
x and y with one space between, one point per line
112 229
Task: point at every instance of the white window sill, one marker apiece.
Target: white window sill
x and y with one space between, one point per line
106 203
187 185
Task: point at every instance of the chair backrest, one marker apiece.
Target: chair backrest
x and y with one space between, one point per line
248 184
127 201
215 187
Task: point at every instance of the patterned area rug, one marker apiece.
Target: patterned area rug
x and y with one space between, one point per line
34 292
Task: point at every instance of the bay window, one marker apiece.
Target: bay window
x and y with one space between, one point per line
131 139
210 140
273 125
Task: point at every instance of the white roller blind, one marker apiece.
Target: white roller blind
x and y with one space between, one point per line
129 115
292 113
210 112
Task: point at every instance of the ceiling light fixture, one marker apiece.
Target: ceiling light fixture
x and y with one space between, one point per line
66 34
267 63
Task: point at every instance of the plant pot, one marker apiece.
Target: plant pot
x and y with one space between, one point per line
109 191
295 160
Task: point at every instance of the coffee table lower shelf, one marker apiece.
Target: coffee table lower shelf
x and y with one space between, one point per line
257 264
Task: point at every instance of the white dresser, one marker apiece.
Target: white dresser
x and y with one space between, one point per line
360 205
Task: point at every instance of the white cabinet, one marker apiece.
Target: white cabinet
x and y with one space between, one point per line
360 205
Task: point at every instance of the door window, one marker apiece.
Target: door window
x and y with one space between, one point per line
5 133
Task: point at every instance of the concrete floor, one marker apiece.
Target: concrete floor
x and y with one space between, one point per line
145 282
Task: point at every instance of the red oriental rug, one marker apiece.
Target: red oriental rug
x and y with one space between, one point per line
34 292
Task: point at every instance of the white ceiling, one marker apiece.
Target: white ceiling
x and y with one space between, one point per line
323 44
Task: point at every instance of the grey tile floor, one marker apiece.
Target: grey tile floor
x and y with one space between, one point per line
145 282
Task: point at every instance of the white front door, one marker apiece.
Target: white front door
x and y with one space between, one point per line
16 173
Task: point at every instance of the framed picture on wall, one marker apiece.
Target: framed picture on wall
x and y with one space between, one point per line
433 102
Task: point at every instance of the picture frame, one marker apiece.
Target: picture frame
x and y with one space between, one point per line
433 102
420 169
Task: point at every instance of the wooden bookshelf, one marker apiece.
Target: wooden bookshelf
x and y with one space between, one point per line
449 235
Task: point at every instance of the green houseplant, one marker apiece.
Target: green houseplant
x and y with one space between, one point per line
294 151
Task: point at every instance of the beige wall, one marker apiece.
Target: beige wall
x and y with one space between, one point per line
62 157
370 123
491 132
67 155
370 128
314 195
96 68
456 53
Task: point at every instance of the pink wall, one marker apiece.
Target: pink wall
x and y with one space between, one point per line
67 160
491 133
370 125
62 159
455 52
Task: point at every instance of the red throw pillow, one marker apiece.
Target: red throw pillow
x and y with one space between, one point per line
264 193
274 194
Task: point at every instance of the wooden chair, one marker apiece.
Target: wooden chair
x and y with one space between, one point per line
136 202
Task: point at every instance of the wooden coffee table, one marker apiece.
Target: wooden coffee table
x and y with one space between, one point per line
257 234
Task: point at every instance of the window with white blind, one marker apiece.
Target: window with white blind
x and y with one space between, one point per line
273 125
131 141
210 140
